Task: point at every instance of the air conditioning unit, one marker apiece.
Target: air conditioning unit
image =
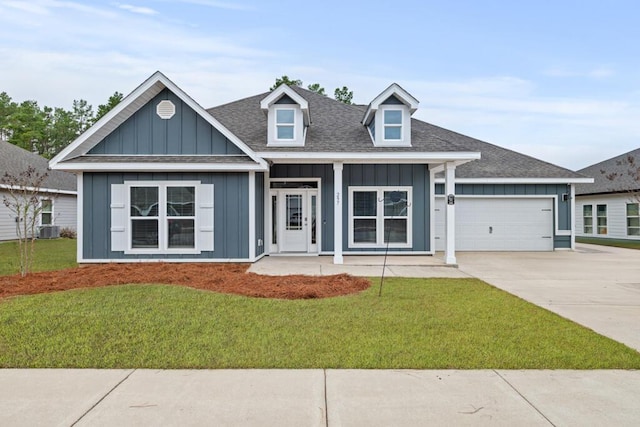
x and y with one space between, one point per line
49 232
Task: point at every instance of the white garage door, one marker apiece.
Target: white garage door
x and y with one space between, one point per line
499 224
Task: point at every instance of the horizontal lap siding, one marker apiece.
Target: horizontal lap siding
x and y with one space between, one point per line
231 214
65 211
616 215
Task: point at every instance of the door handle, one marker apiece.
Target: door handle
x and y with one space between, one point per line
490 230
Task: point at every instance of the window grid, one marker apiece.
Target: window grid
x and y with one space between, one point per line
633 219
601 211
392 125
587 215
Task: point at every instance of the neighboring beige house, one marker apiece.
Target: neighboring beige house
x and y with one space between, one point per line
608 208
58 195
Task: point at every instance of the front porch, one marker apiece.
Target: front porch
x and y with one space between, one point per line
357 265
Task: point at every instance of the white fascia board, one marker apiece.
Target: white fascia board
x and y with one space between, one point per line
520 180
40 190
406 157
278 92
129 106
160 167
394 89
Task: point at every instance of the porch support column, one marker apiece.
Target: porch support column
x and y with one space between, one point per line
337 213
572 215
450 213
252 216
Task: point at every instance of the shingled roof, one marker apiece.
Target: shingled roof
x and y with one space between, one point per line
337 127
617 165
15 160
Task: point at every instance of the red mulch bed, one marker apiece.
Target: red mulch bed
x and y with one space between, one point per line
224 278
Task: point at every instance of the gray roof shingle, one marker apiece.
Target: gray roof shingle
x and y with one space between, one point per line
14 160
337 127
599 172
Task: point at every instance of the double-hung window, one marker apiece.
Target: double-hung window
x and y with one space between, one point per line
46 212
285 124
392 120
633 219
162 217
379 216
587 219
601 211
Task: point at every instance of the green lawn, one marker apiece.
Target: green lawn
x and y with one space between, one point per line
53 254
619 243
417 323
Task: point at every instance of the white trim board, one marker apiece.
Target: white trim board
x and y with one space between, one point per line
518 180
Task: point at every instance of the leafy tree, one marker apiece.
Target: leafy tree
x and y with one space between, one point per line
317 89
285 80
27 126
105 108
83 114
62 128
7 108
343 95
22 199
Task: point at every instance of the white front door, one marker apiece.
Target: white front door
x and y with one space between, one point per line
297 211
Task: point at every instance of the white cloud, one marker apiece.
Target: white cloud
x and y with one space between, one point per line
214 4
137 9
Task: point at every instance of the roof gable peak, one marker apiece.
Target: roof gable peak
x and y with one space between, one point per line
394 90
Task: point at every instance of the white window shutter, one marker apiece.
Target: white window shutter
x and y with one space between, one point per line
205 217
118 217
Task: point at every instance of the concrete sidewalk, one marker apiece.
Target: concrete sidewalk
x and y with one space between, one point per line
364 266
63 397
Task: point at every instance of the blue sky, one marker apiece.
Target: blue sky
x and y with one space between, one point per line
558 80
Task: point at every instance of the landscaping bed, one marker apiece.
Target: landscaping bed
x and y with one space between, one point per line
223 278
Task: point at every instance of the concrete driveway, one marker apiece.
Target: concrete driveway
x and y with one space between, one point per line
596 286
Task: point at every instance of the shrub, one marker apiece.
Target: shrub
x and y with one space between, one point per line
68 233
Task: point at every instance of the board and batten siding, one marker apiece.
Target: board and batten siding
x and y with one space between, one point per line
231 214
375 175
563 215
616 215
259 219
145 133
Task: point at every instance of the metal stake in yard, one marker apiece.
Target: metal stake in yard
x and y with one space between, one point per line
395 197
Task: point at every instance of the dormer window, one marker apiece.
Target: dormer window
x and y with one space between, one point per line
388 117
287 117
285 124
392 125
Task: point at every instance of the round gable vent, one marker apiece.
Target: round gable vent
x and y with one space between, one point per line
165 109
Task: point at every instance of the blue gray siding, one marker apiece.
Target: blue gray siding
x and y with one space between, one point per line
259 214
146 133
564 208
325 173
231 212
416 176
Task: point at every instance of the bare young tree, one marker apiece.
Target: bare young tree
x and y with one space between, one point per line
630 178
23 201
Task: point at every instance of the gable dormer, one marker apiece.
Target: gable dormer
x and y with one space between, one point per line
388 117
287 117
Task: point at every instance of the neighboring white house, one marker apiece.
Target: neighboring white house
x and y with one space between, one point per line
58 195
608 208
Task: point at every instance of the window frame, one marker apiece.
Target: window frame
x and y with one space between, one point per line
278 125
634 227
380 217
163 217
601 229
584 220
43 211
386 125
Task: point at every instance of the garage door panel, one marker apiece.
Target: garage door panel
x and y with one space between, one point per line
499 224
